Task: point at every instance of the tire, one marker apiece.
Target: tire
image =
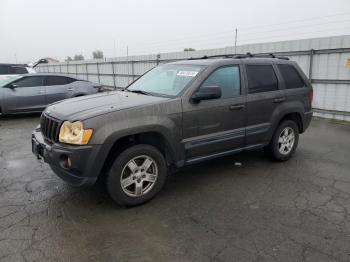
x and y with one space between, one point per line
282 147
131 168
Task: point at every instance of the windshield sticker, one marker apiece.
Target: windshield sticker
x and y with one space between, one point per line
187 73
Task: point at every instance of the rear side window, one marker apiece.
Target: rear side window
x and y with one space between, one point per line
30 81
291 77
228 79
57 80
261 78
70 80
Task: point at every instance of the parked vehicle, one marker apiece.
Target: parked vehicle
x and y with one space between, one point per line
33 92
15 69
176 114
7 70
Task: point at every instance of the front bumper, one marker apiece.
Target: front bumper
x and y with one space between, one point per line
82 170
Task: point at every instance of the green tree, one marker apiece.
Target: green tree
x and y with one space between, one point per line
78 57
98 54
189 49
69 59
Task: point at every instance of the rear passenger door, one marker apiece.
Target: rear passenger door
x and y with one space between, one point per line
263 97
58 88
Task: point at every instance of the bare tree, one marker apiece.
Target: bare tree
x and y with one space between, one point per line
98 54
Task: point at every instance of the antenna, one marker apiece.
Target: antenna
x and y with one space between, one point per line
236 41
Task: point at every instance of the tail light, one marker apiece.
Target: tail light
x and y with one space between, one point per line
311 96
99 88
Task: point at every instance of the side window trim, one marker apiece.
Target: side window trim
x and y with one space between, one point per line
241 82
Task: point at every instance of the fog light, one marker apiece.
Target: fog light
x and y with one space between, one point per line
65 161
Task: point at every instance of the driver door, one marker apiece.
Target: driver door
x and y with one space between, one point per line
25 95
215 127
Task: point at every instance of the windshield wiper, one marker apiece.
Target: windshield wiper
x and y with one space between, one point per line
140 92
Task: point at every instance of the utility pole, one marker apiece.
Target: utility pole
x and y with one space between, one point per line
127 60
236 41
114 49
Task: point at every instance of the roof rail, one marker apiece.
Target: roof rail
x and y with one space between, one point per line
242 56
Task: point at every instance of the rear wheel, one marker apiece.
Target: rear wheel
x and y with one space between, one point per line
136 175
284 141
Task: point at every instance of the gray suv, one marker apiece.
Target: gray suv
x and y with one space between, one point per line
175 115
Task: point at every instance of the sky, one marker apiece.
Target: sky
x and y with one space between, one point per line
34 29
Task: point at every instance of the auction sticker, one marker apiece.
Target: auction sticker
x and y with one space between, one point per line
187 73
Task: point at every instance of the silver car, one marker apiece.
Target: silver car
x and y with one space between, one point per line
33 92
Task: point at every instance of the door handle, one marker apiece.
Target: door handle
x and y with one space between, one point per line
41 91
70 89
279 99
236 107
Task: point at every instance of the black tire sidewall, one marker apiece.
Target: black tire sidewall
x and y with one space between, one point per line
274 149
113 185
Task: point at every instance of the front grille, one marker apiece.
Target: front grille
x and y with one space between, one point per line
50 128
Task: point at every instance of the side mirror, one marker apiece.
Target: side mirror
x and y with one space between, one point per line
12 85
206 93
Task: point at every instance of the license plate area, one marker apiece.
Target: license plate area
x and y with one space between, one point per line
37 148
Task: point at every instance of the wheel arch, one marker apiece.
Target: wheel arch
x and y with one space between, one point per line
118 144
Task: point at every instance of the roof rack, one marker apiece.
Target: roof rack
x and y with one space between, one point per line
242 56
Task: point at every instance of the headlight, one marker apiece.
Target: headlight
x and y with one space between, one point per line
74 133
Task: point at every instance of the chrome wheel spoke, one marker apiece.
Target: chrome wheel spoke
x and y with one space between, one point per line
138 189
147 164
132 166
127 182
150 177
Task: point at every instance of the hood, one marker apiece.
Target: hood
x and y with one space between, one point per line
85 107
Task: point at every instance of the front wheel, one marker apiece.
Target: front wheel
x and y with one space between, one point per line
284 141
136 175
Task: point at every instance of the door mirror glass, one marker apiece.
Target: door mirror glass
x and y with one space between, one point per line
206 93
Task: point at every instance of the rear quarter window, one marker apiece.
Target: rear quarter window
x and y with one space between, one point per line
291 77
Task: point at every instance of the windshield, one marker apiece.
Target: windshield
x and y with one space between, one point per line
166 80
4 80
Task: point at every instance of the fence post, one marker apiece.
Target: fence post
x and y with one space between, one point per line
86 70
60 69
76 70
98 72
312 51
113 75
132 71
158 58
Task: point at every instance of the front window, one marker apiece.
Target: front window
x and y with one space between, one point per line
8 79
166 80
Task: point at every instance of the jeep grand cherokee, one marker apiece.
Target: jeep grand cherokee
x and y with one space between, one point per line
175 115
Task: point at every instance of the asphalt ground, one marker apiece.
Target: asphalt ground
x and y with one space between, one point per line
238 208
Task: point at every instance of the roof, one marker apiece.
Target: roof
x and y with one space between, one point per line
6 64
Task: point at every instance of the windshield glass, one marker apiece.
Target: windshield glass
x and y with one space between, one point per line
166 80
4 80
